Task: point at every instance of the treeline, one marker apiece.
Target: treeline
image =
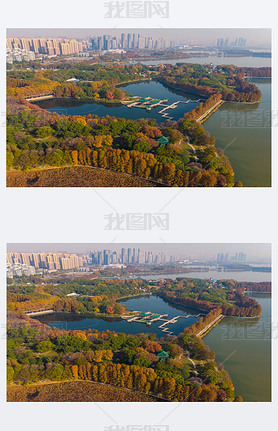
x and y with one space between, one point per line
203 107
244 91
96 296
264 286
125 376
190 302
244 307
226 297
146 166
259 72
225 82
99 81
187 87
128 361
203 322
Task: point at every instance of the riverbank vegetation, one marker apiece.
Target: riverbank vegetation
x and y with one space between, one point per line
222 297
225 82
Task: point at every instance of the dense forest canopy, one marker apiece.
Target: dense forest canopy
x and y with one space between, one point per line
100 296
36 353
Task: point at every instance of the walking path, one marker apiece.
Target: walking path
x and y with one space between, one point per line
209 111
209 325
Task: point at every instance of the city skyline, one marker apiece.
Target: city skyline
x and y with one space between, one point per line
254 252
260 38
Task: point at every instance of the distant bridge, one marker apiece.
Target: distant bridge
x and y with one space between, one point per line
44 96
39 312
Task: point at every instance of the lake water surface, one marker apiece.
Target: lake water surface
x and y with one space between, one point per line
236 61
152 89
243 131
244 347
252 276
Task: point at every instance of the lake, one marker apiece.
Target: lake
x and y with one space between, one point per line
243 345
253 276
236 61
152 89
243 131
144 303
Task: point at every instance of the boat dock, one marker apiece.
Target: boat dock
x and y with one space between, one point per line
148 318
149 103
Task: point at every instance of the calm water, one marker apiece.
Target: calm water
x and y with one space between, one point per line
237 61
216 275
244 346
145 303
243 131
143 89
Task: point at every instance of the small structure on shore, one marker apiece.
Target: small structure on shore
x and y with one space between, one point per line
163 140
162 355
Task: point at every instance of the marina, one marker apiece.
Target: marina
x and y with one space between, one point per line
150 97
148 318
148 103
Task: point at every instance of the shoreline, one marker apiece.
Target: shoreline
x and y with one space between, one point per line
209 112
211 325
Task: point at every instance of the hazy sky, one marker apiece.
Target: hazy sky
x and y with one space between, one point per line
254 251
255 37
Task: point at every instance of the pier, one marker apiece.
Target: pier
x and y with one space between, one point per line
39 312
149 103
148 318
203 331
216 106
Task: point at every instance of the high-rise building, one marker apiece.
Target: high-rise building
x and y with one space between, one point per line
49 261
